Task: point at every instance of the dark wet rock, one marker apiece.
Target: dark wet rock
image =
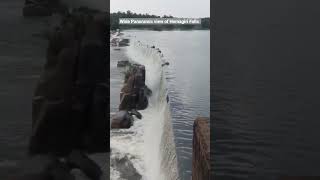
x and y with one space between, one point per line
165 64
128 101
123 63
201 149
136 113
139 81
121 120
147 91
134 94
78 160
124 42
126 168
142 102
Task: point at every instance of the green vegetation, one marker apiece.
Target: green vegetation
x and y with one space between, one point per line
114 22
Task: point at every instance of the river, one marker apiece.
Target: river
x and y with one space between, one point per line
186 81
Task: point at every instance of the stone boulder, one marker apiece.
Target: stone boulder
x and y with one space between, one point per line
142 100
123 42
123 63
128 101
121 120
165 64
136 113
201 149
134 94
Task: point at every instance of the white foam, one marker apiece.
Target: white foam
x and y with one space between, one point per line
141 143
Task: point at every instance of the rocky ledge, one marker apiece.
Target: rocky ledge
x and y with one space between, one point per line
133 96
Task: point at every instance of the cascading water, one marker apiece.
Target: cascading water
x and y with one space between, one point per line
148 145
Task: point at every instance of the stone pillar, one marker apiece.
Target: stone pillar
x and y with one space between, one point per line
201 149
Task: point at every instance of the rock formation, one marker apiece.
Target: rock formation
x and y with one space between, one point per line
121 119
201 149
134 94
123 42
123 63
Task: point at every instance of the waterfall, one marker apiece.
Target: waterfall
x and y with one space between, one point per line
159 148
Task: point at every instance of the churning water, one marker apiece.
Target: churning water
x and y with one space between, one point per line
159 146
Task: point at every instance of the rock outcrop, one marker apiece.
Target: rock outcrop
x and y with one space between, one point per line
121 119
134 94
201 149
124 119
123 63
124 42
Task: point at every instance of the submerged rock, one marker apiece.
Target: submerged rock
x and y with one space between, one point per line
126 169
123 63
123 42
121 119
136 113
165 64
